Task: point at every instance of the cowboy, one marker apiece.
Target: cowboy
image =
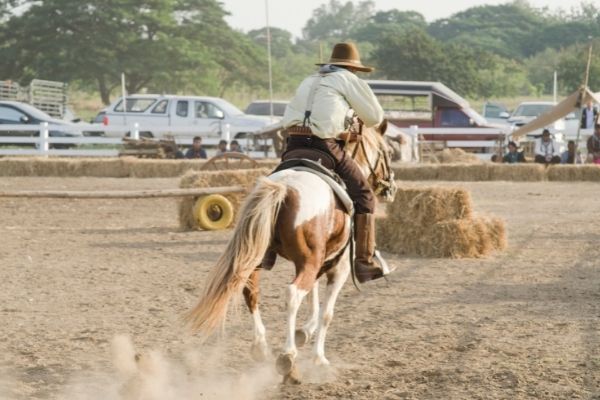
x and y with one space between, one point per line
315 118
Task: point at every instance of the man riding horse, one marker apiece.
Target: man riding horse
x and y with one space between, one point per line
317 118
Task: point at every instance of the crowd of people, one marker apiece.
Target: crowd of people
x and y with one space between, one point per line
547 151
198 152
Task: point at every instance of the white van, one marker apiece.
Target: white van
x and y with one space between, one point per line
183 117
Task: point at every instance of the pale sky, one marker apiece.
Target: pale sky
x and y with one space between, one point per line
292 15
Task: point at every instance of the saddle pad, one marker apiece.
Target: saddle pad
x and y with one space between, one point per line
338 190
331 178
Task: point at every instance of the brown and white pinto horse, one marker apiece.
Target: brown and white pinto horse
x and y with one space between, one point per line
296 215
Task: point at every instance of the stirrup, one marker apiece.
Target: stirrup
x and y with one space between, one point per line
382 263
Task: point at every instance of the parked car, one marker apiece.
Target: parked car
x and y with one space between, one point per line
495 113
210 117
530 110
263 107
17 113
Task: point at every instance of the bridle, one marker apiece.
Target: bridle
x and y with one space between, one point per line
382 187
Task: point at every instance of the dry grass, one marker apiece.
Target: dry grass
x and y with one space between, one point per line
199 179
436 222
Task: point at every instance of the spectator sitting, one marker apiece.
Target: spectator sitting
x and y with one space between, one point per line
222 147
593 145
546 150
588 116
235 147
513 156
569 156
196 151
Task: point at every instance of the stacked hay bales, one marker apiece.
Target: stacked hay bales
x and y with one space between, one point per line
115 167
517 172
457 156
570 173
471 172
201 179
436 222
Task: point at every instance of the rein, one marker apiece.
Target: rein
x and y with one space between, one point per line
382 187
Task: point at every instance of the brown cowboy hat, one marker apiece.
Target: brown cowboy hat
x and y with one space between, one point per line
346 55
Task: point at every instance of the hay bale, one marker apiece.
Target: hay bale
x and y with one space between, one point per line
570 173
199 179
457 156
436 222
590 172
464 172
15 166
517 172
427 206
411 172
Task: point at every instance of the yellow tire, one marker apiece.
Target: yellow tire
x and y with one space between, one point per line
213 212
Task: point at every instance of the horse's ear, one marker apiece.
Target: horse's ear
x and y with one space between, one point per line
383 127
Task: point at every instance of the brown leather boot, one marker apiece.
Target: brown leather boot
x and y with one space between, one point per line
364 234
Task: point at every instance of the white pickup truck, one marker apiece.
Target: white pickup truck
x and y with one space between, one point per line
183 117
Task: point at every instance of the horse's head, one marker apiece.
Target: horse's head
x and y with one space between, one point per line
373 156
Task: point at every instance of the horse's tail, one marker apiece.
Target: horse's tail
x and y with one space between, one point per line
244 252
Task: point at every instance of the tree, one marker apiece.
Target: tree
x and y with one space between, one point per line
392 22
337 20
502 29
158 44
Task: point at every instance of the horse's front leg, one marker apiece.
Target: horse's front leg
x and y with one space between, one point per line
336 277
303 283
304 335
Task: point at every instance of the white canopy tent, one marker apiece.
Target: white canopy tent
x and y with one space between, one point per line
574 101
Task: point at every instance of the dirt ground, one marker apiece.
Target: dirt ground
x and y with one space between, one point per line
76 274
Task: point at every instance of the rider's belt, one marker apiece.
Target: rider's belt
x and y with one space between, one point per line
299 131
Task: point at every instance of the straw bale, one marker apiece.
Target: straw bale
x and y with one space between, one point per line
199 179
436 222
590 172
426 206
15 166
517 172
464 172
457 156
411 172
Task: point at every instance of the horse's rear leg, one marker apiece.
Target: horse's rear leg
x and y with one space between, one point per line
259 350
304 334
336 277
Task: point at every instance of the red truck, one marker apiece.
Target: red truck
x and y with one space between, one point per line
440 113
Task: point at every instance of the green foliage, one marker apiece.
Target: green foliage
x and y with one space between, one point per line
186 46
162 45
337 20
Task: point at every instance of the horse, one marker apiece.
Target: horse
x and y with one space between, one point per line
296 215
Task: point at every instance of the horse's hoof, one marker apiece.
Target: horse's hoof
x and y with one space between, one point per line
284 364
302 337
292 378
259 352
321 361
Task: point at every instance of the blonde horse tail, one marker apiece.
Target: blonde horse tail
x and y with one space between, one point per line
244 252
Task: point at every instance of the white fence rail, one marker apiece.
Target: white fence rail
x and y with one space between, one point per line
454 138
41 144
